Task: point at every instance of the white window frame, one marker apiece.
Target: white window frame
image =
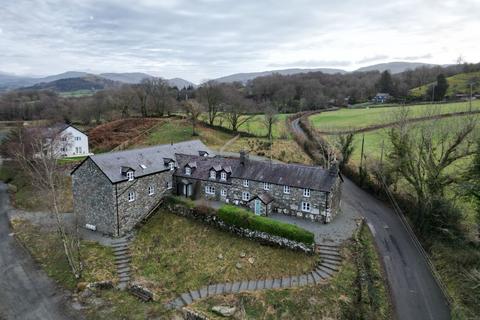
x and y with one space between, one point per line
64 139
78 150
78 138
267 186
286 189
306 192
245 195
63 149
213 175
223 176
223 192
130 175
306 206
151 190
246 183
131 196
171 165
188 171
209 189
169 185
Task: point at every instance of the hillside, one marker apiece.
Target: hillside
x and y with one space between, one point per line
244 77
395 67
89 82
459 83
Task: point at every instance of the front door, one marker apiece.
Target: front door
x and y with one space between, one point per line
258 207
187 190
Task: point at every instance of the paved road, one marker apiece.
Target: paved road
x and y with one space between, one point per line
415 293
26 293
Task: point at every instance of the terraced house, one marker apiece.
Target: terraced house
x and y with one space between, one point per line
114 191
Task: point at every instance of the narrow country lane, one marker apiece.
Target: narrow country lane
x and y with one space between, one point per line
415 293
26 292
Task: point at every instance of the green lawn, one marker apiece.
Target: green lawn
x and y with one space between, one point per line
256 125
345 119
172 255
356 292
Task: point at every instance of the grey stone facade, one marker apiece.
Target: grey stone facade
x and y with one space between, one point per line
94 198
131 212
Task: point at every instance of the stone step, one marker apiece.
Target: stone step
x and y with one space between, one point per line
316 277
330 266
294 281
324 273
310 279
203 292
195 295
123 269
324 245
123 259
328 250
122 265
120 252
187 299
330 254
303 280
277 283
119 245
220 289
261 284
286 282
332 261
178 303
331 258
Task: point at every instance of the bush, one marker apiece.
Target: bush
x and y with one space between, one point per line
242 218
180 200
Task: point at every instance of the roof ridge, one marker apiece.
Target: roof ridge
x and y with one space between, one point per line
145 148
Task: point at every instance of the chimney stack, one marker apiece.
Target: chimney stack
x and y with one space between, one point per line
243 157
333 171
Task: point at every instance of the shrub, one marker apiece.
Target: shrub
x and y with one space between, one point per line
242 218
180 200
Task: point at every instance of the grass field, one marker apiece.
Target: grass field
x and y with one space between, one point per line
345 119
459 83
172 255
256 126
356 292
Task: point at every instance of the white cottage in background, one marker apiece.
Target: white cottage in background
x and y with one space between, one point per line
66 141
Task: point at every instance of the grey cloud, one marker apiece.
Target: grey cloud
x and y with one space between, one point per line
413 58
372 59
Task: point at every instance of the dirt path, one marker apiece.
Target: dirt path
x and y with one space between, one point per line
390 124
26 292
229 142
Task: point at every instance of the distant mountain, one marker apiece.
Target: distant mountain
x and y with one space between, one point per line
65 75
88 82
128 77
395 67
244 77
180 83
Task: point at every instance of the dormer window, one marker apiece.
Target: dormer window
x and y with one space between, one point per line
213 174
223 176
171 165
286 189
267 186
130 175
245 183
306 192
188 171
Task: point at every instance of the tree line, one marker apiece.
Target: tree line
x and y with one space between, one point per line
268 94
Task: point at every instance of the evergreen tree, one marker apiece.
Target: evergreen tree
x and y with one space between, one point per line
385 84
441 88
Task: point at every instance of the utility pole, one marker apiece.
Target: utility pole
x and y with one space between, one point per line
361 153
471 91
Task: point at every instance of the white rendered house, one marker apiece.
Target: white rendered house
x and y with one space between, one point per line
70 142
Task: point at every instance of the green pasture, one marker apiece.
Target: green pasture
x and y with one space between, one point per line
345 119
459 83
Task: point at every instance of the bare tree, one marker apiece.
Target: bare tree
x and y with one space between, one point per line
269 120
210 94
346 147
422 153
236 109
35 151
142 95
158 92
194 110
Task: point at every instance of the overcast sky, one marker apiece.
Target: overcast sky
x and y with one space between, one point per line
203 39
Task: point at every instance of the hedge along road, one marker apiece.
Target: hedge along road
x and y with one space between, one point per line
26 292
414 291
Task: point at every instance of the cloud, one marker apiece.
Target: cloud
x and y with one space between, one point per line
372 59
414 58
210 38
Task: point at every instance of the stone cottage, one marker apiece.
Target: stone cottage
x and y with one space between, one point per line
114 191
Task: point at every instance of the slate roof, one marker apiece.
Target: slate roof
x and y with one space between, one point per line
152 158
265 197
294 175
204 164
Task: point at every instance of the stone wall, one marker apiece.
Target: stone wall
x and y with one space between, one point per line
131 213
334 200
94 198
258 236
